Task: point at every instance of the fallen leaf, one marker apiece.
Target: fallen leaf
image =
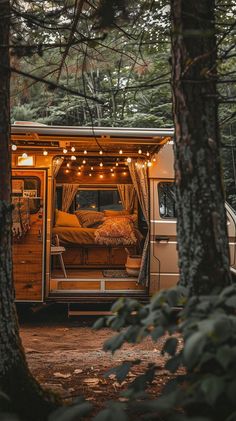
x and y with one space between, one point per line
61 375
92 381
78 371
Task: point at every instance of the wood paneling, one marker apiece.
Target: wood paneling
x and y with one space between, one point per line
121 285
28 251
78 285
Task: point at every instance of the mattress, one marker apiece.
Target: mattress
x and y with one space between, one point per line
75 235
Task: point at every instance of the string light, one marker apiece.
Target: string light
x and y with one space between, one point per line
149 164
14 147
79 168
111 169
113 175
79 173
140 151
124 173
154 159
67 171
73 158
101 164
45 153
84 161
129 160
91 168
73 149
90 175
100 152
24 155
65 150
85 152
148 153
120 151
117 163
101 176
68 165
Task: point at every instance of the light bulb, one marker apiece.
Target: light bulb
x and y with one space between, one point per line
124 173
129 160
14 147
91 168
45 153
113 175
149 164
148 153
73 158
140 151
68 165
67 171
65 150
154 159
90 175
101 164
120 151
79 173
24 155
84 161
73 149
85 152
111 169
101 175
117 164
100 152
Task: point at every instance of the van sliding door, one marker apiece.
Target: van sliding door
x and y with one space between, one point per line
164 271
28 229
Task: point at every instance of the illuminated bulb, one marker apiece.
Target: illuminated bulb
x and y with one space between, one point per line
149 164
101 175
154 159
101 164
79 173
90 175
79 168
24 155
73 158
148 153
73 149
85 152
117 164
68 165
101 152
67 171
136 164
140 151
45 153
120 151
129 160
111 169
113 175
84 161
91 168
14 147
124 173
65 150
143 165
82 166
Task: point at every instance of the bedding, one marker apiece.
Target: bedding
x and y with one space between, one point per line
64 219
116 231
89 218
75 235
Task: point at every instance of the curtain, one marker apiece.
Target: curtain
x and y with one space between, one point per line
127 194
138 173
56 165
68 194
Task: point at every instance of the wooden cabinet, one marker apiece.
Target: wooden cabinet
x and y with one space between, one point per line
29 245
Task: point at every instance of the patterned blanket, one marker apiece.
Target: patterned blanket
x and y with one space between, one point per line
116 231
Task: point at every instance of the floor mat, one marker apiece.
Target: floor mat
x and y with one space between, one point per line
115 273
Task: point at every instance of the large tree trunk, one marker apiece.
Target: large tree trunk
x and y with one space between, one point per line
26 396
202 233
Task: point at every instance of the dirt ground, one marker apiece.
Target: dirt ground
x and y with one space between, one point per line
67 357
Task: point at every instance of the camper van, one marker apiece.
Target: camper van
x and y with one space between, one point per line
94 213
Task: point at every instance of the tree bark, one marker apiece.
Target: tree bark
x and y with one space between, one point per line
201 229
27 398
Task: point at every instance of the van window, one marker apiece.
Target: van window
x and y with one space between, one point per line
166 194
98 199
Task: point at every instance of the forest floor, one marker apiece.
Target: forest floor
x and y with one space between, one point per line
67 357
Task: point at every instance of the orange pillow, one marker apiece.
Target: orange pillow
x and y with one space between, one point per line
65 219
111 212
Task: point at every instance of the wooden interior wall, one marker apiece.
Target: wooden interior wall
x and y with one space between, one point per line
66 175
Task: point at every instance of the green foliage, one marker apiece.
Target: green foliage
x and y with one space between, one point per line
206 386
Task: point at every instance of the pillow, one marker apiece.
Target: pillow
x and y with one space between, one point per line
89 218
110 212
64 219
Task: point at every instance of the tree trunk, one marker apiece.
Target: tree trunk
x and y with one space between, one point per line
202 233
26 396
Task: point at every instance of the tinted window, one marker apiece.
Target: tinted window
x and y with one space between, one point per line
98 199
166 193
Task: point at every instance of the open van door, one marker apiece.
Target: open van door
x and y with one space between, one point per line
28 227
164 271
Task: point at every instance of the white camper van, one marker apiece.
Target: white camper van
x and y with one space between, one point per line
94 216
